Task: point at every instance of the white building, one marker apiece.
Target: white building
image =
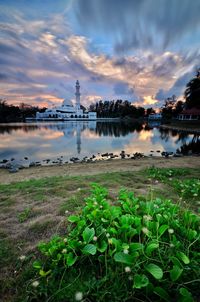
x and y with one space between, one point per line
67 111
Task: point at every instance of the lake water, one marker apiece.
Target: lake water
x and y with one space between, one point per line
41 141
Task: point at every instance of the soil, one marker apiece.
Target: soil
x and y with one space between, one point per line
98 167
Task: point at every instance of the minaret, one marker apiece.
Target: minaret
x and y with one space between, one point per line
77 94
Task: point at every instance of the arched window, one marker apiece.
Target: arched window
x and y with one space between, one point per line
83 116
79 116
75 116
72 116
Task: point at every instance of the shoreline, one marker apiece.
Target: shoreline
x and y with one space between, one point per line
98 167
183 128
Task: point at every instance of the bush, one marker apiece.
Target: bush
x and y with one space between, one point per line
133 250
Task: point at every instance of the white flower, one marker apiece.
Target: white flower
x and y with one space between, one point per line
95 203
195 194
65 240
156 181
107 235
64 251
127 269
125 251
171 231
145 231
130 278
95 238
170 178
101 207
22 257
147 217
66 212
79 189
35 283
172 245
78 296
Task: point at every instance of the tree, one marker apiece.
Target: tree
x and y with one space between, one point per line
192 92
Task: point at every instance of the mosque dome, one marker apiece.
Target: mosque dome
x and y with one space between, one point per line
67 103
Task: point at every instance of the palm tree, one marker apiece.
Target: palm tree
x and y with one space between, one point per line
192 92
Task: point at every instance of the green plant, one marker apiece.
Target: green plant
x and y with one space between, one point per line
164 174
135 250
189 188
24 215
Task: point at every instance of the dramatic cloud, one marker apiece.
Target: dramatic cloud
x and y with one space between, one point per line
141 24
143 51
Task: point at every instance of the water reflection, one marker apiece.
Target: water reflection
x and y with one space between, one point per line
50 140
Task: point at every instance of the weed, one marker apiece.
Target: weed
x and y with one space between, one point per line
136 250
24 215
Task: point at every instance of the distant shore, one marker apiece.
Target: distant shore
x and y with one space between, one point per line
185 127
99 167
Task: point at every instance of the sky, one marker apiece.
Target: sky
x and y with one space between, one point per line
138 50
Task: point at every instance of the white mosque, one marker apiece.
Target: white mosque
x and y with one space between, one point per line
67 111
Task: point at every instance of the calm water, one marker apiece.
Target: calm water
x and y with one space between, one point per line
40 141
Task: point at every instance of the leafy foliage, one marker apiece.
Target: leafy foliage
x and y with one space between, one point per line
192 92
133 249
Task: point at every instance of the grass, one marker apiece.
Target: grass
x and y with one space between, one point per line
34 210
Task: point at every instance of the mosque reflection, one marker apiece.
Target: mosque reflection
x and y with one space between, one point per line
185 143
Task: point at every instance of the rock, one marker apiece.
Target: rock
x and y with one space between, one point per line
4 161
104 154
158 151
178 155
13 170
26 158
12 159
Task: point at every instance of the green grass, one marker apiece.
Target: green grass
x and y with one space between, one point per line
28 209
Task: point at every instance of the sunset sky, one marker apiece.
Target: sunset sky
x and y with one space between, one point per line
139 50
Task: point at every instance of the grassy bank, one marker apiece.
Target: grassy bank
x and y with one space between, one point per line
34 210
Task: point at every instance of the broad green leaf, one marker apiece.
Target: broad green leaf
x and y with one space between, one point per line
192 234
162 229
154 270
73 218
183 257
37 264
136 246
88 234
43 273
176 261
185 293
151 247
102 246
89 249
175 273
71 259
161 293
124 258
140 281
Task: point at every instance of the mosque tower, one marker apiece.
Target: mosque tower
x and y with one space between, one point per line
77 94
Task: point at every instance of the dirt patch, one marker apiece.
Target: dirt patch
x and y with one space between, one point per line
98 167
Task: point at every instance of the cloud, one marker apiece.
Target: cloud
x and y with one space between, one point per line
151 24
43 55
123 89
177 88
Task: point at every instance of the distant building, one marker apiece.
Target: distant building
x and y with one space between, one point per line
155 116
67 111
192 114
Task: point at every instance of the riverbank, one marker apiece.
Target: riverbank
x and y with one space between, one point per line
36 202
93 168
188 127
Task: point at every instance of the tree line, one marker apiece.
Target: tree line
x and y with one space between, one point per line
11 113
118 108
